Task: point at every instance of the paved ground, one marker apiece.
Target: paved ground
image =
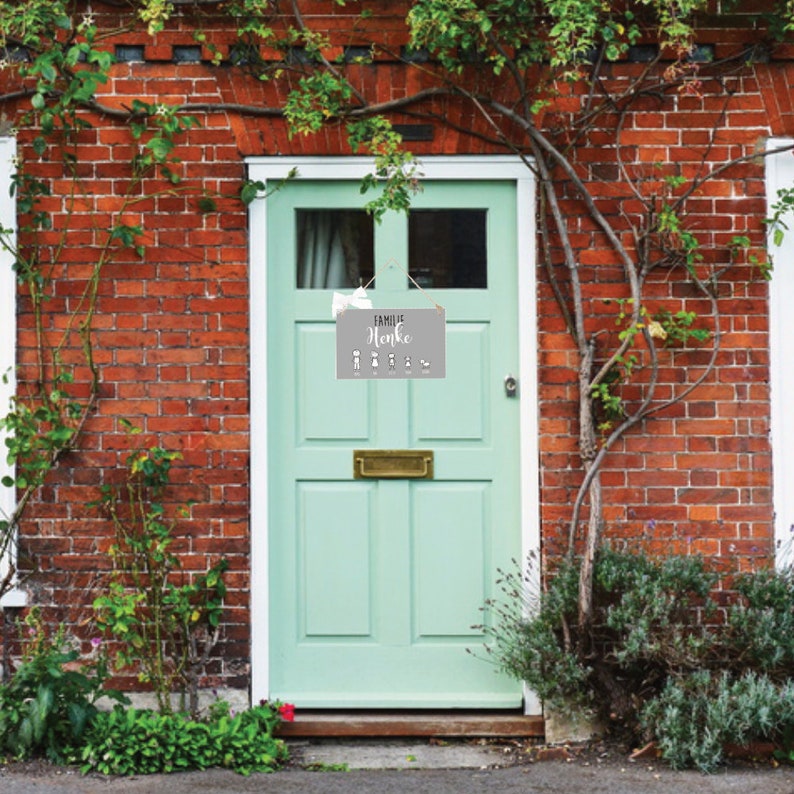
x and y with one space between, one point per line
402 768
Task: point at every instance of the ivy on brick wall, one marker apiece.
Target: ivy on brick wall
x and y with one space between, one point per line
60 68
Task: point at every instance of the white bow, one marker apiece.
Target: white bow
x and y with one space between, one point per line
358 300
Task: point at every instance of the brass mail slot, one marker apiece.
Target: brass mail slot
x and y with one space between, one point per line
393 464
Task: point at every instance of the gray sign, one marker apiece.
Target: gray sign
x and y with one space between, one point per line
391 343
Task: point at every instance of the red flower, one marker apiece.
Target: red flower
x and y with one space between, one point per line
287 712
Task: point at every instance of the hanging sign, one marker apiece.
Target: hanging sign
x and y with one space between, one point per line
391 343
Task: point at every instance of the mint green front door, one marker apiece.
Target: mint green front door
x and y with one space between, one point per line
377 585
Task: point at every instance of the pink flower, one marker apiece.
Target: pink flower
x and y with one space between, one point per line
287 712
96 642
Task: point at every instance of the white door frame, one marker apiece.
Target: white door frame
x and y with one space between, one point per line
8 338
779 175
269 170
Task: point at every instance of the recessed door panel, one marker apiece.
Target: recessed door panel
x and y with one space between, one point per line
346 402
450 541
457 407
334 560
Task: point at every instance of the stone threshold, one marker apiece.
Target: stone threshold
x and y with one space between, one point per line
406 724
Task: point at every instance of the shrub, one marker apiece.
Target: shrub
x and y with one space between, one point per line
142 742
166 622
761 623
648 609
655 662
695 717
645 624
530 638
48 704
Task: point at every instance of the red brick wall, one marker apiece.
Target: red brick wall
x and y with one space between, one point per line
172 327
697 476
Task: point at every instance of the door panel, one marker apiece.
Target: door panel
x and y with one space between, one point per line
335 597
377 585
465 387
450 550
345 401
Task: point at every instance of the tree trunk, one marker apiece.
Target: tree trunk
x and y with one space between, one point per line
588 449
592 542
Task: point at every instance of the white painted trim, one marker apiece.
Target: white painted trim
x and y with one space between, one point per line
468 168
528 368
780 174
8 336
259 472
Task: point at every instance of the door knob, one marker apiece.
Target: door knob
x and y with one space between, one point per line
511 386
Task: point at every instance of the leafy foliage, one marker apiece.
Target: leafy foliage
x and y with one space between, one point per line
49 707
678 328
59 56
529 642
777 222
673 329
132 742
64 64
653 648
35 434
695 717
166 623
761 621
561 33
647 607
49 703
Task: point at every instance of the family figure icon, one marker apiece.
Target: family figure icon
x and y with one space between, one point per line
392 362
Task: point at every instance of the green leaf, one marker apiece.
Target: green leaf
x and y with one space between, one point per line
250 190
207 204
160 148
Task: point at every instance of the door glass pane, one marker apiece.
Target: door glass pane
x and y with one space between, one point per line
335 248
447 248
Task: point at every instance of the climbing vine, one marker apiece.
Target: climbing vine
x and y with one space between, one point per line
61 67
166 624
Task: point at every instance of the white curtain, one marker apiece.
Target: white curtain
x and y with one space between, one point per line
327 256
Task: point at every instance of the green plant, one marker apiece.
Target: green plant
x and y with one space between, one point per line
246 739
782 207
652 650
49 703
319 766
652 610
132 742
785 744
645 625
677 329
761 622
64 68
672 329
696 716
530 640
166 622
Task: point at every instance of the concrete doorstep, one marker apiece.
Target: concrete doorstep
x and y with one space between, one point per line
396 754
